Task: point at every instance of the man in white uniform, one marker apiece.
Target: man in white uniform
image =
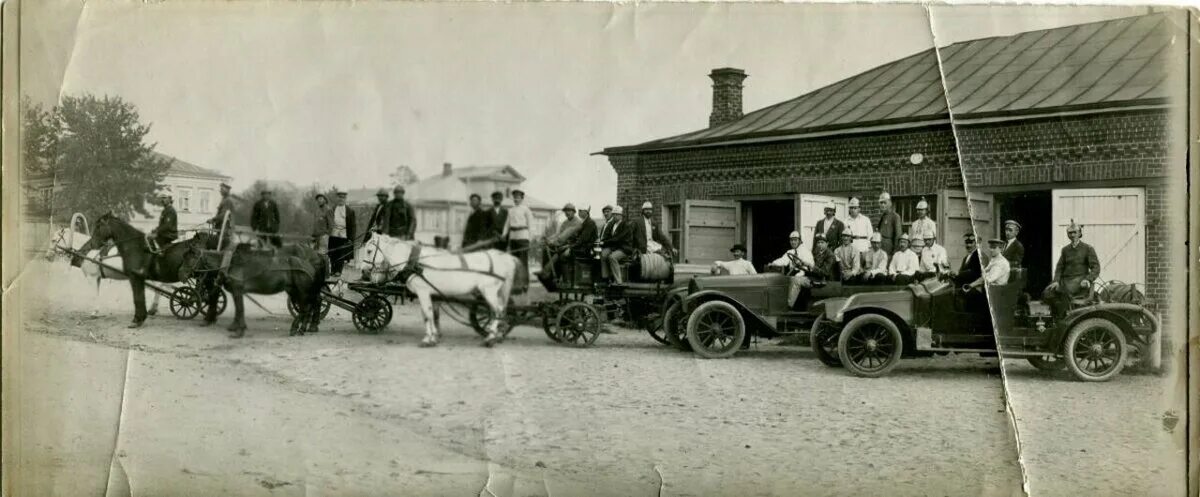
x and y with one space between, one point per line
934 258
875 261
904 263
797 261
859 227
923 227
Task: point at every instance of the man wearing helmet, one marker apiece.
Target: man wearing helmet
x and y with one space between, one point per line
1076 271
797 261
923 225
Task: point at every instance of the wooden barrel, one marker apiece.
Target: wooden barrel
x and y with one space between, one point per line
654 267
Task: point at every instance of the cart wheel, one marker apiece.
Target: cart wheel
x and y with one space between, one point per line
481 317
184 303
870 345
1048 365
653 324
675 327
1095 350
550 323
579 324
716 330
292 308
824 342
372 314
221 301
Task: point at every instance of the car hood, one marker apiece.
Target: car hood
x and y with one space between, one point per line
739 281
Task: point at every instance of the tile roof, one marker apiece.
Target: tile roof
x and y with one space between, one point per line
1104 64
185 168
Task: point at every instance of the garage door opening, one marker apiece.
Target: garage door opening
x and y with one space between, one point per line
770 222
1033 210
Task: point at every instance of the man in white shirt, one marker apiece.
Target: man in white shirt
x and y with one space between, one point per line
934 258
997 269
341 235
797 261
904 263
738 266
923 226
875 261
849 259
859 227
517 228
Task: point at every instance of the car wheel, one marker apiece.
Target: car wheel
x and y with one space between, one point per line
675 327
716 330
1048 365
870 346
653 324
1095 350
824 342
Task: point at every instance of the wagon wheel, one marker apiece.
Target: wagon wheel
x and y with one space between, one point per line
372 314
294 310
675 327
716 330
824 342
1048 365
184 303
653 324
1095 350
579 324
202 291
550 322
870 345
480 317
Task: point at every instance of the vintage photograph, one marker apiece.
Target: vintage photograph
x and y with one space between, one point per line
541 249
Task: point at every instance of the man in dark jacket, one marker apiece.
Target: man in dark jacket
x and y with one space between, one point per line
829 227
971 269
1014 251
168 223
616 244
1077 269
264 219
647 236
400 220
890 227
499 216
479 226
375 222
585 240
825 264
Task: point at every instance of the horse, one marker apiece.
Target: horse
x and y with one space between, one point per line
111 269
296 269
138 261
425 271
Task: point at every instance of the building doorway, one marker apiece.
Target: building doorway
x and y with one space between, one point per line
1033 210
770 223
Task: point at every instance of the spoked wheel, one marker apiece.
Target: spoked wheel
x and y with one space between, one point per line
579 324
1095 350
201 291
480 317
1048 365
824 342
716 330
293 309
653 324
550 322
372 314
185 304
870 345
675 327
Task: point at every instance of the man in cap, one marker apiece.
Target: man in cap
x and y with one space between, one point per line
824 263
517 228
875 261
167 230
607 213
375 221
478 229
859 227
616 243
996 273
904 264
917 246
797 261
647 237
934 259
1014 251
560 243
923 225
341 234
970 269
1076 271
829 226
223 208
400 219
499 214
585 240
890 227
738 266
264 219
320 224
849 259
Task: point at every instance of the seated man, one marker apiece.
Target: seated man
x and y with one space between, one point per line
797 261
917 247
848 258
1078 267
560 242
875 261
616 243
738 266
934 259
971 269
995 274
904 263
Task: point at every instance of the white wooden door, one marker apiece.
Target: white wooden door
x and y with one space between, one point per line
710 228
960 213
811 208
1113 221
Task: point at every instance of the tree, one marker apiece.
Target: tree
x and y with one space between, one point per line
402 176
96 150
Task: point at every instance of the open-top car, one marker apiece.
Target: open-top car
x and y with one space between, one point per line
868 333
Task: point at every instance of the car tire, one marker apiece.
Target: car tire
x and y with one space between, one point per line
1095 350
870 346
675 327
824 342
716 330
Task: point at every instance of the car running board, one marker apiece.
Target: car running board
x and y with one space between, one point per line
925 344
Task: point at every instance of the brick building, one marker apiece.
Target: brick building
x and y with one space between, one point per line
1078 122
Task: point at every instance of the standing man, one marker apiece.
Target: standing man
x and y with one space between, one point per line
375 222
1076 271
859 227
225 207
400 220
797 261
320 224
923 226
875 261
904 263
971 269
167 230
890 226
517 228
829 227
341 234
616 242
1014 251
499 220
479 226
264 219
648 238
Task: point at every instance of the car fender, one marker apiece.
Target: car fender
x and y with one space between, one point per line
752 318
897 303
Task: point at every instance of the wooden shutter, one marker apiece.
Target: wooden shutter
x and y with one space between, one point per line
1113 221
710 227
811 208
960 213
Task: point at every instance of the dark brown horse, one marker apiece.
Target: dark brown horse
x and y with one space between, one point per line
138 262
296 269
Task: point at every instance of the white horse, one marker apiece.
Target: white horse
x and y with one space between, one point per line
428 271
65 238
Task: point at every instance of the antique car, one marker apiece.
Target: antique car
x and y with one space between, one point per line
868 333
714 316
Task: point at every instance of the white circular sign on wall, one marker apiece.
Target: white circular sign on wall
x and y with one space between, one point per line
916 158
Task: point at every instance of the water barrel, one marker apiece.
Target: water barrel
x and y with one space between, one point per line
654 267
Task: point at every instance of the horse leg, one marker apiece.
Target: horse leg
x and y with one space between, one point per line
153 311
238 327
497 305
96 300
431 331
314 303
139 301
210 302
301 306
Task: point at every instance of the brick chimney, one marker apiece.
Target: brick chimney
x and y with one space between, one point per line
727 95
447 168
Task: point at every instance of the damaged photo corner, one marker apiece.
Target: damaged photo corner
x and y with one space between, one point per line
736 249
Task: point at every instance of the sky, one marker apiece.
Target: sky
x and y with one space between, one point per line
341 93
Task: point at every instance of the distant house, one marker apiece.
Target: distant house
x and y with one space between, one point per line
441 201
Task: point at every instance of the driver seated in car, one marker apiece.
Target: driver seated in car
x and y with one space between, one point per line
797 261
875 261
738 266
